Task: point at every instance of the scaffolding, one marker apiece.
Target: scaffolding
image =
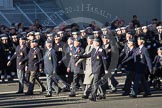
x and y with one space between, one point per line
31 10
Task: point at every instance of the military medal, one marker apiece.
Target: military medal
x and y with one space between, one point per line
97 57
141 56
21 53
49 58
35 52
70 54
35 56
8 57
60 49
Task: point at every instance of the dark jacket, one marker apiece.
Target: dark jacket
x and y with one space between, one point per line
20 54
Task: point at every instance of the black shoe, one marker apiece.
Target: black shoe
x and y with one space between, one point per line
48 95
92 99
133 96
101 97
147 94
10 79
71 95
104 97
125 94
19 92
3 80
43 89
85 97
29 93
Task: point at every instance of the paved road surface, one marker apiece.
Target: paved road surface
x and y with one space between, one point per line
9 99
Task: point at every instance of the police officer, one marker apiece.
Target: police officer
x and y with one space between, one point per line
119 38
159 37
142 62
6 53
20 53
157 69
40 39
15 41
99 65
62 35
104 30
75 34
83 38
157 61
76 70
149 41
50 36
30 37
96 34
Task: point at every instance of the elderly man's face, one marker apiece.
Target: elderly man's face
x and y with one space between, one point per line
14 39
128 36
140 42
22 42
31 37
95 44
90 41
48 45
105 41
119 32
130 44
57 40
37 37
76 43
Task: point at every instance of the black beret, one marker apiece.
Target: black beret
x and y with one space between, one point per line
141 38
106 37
96 39
22 38
70 38
160 48
57 36
131 40
130 32
23 33
77 39
90 37
34 41
49 41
